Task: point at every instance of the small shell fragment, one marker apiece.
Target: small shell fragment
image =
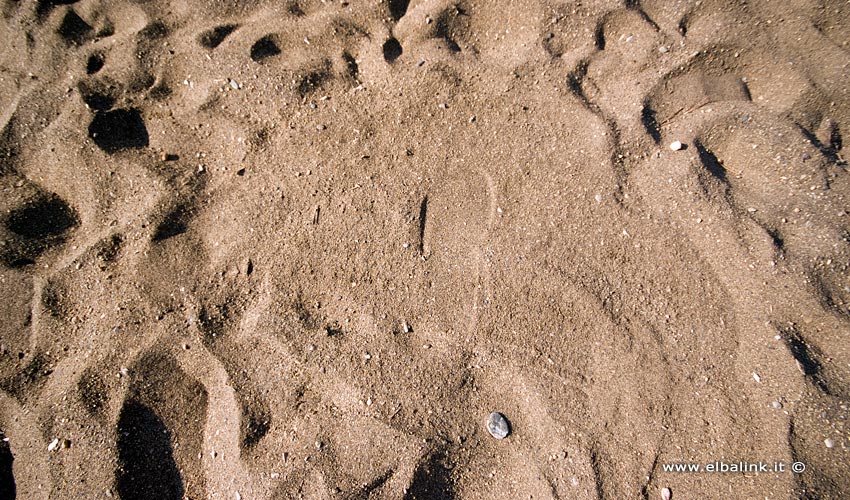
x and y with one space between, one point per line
829 443
666 494
498 425
53 445
675 145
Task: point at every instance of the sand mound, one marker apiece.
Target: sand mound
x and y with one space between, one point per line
303 249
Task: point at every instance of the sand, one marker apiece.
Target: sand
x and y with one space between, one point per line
304 249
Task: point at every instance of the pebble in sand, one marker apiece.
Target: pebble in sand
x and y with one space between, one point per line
498 425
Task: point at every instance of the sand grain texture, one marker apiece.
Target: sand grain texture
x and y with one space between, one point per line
303 249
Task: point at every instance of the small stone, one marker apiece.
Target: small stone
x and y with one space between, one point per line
53 445
829 442
274 475
498 425
321 127
598 198
124 372
776 405
675 145
443 105
234 85
663 49
66 443
666 494
406 327
756 377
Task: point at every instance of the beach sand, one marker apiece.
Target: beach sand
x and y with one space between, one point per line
273 250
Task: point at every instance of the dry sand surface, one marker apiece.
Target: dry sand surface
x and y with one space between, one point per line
303 249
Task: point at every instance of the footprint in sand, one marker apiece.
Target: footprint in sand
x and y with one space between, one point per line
213 37
7 478
147 467
40 222
118 130
265 48
164 407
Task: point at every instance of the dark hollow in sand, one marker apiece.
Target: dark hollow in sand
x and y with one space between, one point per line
118 129
146 465
392 50
264 48
7 480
